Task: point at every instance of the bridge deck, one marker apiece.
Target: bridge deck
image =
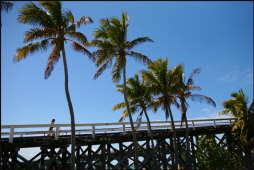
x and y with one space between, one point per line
85 139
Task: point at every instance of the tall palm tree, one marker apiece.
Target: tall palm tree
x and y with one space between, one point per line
159 79
184 88
140 100
111 39
53 26
238 108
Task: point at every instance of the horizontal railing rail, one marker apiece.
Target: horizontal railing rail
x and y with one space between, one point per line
10 131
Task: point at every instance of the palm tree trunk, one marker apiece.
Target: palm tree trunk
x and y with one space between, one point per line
151 135
184 117
135 142
187 142
70 109
149 126
174 139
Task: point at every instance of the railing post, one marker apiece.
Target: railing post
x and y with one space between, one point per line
57 132
171 127
230 122
11 134
93 132
193 125
123 129
148 129
214 123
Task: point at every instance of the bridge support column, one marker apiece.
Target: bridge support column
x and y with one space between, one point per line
125 163
14 156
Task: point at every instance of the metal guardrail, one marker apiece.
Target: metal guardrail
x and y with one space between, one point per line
92 129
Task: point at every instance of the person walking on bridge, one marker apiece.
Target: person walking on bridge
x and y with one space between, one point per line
51 128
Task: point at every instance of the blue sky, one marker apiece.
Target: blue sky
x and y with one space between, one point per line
216 36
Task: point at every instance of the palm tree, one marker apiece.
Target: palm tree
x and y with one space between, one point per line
140 100
184 88
53 27
161 84
238 108
111 39
5 6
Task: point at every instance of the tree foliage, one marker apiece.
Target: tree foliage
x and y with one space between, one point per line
212 156
238 108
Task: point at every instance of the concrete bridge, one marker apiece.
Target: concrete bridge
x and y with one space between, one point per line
108 145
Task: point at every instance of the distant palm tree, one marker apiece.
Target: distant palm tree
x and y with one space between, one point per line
5 6
53 27
184 88
238 108
140 100
111 39
159 79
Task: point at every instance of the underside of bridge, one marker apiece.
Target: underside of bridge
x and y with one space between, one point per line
115 150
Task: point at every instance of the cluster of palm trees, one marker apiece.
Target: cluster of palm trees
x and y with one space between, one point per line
53 26
160 87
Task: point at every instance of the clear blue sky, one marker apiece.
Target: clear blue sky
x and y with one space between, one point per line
216 36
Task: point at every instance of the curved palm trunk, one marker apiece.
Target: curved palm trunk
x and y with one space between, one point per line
135 142
187 142
149 126
151 135
184 117
175 164
70 109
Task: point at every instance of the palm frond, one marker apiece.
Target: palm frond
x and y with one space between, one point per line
194 72
116 72
6 6
52 60
119 88
225 112
80 48
55 10
80 37
68 14
202 98
30 49
100 33
140 57
156 104
149 78
125 114
84 20
37 33
32 14
237 125
138 41
72 28
119 106
193 87
102 68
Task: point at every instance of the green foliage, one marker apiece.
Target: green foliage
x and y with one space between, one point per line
244 125
184 88
52 26
139 97
112 43
161 84
211 156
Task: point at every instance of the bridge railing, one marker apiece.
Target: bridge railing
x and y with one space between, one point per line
12 131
